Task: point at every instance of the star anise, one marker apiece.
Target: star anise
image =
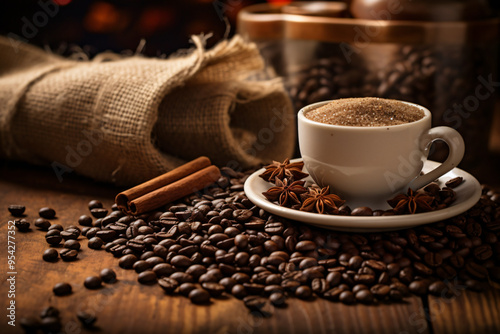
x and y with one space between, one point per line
277 170
286 194
320 201
412 202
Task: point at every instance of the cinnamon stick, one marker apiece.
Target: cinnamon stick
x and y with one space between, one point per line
123 198
174 191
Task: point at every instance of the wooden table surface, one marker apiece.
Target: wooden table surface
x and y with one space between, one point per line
129 307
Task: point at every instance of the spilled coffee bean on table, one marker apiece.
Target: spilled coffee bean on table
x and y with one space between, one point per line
216 242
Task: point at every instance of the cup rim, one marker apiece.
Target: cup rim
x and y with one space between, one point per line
301 117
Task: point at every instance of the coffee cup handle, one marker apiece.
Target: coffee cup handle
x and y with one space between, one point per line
456 147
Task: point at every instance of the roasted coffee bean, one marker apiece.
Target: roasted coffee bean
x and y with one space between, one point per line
455 182
22 225
419 287
108 275
168 284
186 288
30 324
99 212
163 270
476 270
456 261
380 291
181 261
95 204
147 277
182 277
92 282
433 259
238 291
85 220
42 224
140 266
106 235
53 237
483 252
362 211
199 296
347 297
68 254
72 244
16 210
50 255
319 286
303 292
437 288
127 261
62 289
364 296
305 246
87 319
47 213
256 303
56 227
214 289
278 299
95 243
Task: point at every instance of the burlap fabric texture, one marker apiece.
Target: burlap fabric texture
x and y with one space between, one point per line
131 119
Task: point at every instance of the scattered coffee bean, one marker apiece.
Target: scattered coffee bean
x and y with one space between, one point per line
92 282
47 213
98 212
147 277
127 261
68 254
85 220
16 210
50 255
169 284
72 244
95 204
199 296
53 237
108 275
95 243
42 224
62 289
22 225
303 292
51 325
455 182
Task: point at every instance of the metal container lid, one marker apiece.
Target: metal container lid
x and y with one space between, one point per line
271 22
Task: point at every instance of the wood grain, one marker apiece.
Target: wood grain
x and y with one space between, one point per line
129 307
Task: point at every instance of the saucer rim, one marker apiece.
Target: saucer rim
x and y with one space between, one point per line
370 223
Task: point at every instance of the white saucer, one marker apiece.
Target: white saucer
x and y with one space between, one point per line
468 193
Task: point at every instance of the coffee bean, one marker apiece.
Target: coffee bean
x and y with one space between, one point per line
87 319
347 297
163 270
127 261
455 182
68 254
181 261
199 296
16 210
182 277
42 224
22 225
256 303
476 270
303 292
51 325
98 212
140 266
53 237
168 284
418 287
95 204
92 282
433 259
147 277
72 244
214 289
62 289
380 291
364 296
362 211
305 246
437 288
50 255
85 220
483 252
106 235
278 299
238 291
108 275
47 213
95 243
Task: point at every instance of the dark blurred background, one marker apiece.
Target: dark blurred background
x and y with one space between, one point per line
117 25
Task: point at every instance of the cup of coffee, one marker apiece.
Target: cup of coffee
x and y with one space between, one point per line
369 149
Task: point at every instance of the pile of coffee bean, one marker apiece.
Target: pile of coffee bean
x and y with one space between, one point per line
218 242
436 77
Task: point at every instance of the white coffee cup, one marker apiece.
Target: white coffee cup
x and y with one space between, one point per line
369 165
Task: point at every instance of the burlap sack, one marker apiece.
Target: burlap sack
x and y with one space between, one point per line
128 120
